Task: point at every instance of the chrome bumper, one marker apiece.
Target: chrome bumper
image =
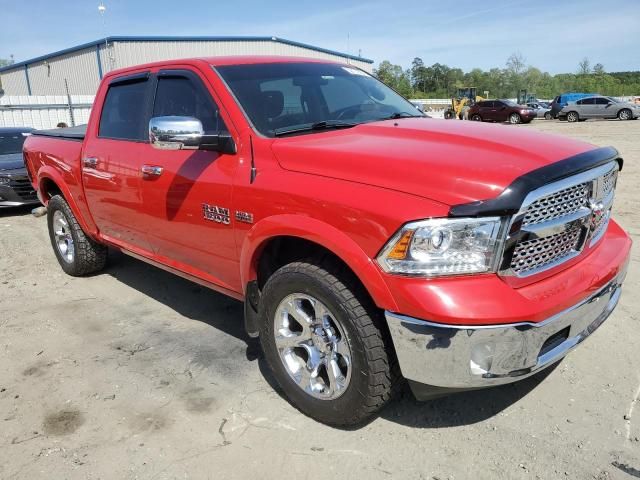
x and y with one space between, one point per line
468 357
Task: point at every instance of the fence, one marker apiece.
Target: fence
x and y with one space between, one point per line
39 111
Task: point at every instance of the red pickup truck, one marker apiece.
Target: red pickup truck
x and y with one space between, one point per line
371 245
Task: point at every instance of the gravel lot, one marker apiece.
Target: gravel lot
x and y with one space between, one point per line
135 373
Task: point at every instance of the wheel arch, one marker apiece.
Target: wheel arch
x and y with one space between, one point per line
311 236
51 183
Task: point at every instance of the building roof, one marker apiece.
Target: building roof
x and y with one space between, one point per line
180 39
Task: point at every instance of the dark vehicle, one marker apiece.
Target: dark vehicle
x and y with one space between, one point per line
599 107
562 100
15 186
501 111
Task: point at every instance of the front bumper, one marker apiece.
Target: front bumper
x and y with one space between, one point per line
18 191
467 357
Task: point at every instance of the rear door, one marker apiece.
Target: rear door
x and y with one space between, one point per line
485 110
112 159
586 107
189 200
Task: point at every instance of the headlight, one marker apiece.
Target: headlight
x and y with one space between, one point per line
444 246
5 180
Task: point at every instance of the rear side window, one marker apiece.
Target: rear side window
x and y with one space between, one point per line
124 111
185 96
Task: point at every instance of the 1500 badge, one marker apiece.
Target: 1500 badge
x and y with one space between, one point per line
216 214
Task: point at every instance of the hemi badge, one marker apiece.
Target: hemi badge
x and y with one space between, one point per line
245 217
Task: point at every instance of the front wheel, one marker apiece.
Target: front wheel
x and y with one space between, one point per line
77 254
515 118
326 343
625 114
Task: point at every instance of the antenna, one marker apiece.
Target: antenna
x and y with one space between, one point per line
102 9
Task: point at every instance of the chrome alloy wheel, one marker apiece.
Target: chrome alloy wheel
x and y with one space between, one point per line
63 237
312 346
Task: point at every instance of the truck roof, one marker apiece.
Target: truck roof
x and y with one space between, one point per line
226 60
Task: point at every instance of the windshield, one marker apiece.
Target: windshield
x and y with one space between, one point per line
282 97
613 99
11 142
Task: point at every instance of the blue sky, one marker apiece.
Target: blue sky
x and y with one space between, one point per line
553 35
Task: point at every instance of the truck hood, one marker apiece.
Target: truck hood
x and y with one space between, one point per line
449 161
11 161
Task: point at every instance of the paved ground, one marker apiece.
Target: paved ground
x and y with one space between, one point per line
135 373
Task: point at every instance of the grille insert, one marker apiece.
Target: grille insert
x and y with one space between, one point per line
23 187
540 252
559 204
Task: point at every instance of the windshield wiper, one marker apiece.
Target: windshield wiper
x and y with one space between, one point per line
323 125
397 115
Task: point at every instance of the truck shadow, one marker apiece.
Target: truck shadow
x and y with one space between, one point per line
184 297
460 409
223 313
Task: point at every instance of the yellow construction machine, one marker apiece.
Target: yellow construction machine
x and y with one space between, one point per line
465 98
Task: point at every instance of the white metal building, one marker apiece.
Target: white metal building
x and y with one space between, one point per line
84 65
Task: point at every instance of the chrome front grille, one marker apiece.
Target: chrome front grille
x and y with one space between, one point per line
559 204
540 252
558 221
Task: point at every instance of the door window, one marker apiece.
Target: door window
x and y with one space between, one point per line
124 114
602 101
183 94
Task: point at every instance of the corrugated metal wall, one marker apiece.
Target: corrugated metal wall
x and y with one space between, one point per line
14 82
81 70
38 111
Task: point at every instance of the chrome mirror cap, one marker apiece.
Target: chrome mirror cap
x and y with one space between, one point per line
175 133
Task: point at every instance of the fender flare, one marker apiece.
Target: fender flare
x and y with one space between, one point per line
49 173
323 234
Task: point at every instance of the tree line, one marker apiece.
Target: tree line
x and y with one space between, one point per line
442 81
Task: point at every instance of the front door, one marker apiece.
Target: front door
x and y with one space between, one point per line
112 159
188 193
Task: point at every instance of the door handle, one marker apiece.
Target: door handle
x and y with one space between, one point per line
151 171
90 162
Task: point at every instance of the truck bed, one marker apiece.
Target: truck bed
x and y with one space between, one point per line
70 133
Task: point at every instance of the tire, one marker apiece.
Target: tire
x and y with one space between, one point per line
476 118
448 114
625 114
515 118
547 116
368 373
77 254
572 117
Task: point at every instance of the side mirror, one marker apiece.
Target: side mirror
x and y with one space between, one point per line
186 133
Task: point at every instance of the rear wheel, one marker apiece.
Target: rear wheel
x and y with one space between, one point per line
547 116
326 343
573 117
515 118
77 254
625 114
448 114
476 118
